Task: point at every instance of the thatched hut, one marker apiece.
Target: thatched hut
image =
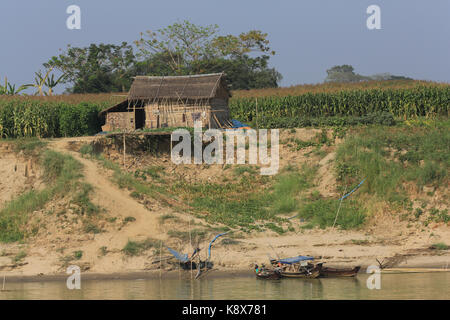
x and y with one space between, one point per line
172 101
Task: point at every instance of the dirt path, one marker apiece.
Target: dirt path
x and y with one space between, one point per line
117 203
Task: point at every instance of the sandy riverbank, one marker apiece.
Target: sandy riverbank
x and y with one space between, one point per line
393 241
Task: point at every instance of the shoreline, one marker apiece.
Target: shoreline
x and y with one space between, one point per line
185 275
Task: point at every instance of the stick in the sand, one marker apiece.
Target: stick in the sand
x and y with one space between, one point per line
124 149
340 203
4 279
160 258
273 250
192 248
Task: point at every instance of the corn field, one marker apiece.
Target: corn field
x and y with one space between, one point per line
76 115
333 87
30 118
424 101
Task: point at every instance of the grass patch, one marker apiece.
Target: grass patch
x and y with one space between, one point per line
61 174
322 213
81 198
196 234
153 172
240 170
166 217
135 248
87 149
19 256
78 255
360 242
103 250
439 246
272 226
388 157
129 219
29 146
90 227
289 184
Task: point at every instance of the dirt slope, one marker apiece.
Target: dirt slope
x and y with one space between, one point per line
389 239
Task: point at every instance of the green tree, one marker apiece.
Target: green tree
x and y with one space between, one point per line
185 48
157 65
179 49
181 43
242 72
343 73
97 68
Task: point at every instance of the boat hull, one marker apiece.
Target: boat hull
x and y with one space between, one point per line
336 272
301 275
268 275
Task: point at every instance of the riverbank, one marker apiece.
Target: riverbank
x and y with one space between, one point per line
211 274
121 216
418 263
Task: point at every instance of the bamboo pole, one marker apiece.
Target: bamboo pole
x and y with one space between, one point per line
4 280
190 240
340 203
179 270
124 150
257 127
160 259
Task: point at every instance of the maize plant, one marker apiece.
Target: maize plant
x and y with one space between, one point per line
29 118
421 101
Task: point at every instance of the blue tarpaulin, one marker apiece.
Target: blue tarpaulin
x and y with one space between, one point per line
179 256
359 185
210 244
237 124
295 259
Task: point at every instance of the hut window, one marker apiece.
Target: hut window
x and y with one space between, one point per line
184 117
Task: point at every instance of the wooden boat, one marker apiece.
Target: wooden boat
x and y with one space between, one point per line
267 274
328 272
297 267
305 274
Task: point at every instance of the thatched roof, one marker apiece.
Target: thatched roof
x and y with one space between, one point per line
144 88
174 87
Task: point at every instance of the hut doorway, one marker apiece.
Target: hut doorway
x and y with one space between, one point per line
140 118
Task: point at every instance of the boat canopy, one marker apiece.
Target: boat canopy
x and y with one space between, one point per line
295 259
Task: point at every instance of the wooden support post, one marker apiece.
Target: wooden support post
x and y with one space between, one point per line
192 248
124 150
257 127
160 259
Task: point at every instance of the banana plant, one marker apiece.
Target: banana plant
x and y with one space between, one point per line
13 91
4 89
40 81
50 83
10 89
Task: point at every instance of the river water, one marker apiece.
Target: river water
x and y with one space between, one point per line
393 286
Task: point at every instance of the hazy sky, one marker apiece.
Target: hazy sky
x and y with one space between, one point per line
309 36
